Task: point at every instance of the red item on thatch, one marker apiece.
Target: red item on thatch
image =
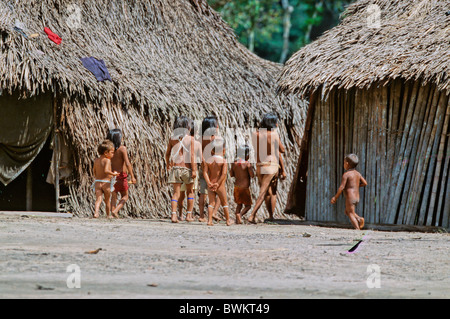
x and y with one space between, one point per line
52 36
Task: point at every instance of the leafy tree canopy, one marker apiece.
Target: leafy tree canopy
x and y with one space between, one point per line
276 29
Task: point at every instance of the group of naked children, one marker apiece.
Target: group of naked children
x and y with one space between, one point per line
111 170
201 165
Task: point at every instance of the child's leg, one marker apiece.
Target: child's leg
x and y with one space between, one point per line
238 214
211 200
265 180
201 207
358 218
180 205
216 209
190 202
123 200
271 200
98 199
222 194
245 210
174 202
350 212
113 201
107 191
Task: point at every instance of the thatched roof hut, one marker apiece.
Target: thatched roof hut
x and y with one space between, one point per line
165 58
379 86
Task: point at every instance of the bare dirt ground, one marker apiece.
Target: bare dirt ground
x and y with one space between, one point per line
158 259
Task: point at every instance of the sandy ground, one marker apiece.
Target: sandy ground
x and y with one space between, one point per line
158 259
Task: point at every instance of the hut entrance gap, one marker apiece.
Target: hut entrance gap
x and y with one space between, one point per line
26 129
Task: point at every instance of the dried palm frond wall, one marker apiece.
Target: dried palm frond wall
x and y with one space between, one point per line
166 58
401 135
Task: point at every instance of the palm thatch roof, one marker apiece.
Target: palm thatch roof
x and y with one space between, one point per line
165 57
410 40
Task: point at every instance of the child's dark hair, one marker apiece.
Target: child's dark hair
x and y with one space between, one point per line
115 136
105 146
192 126
352 160
243 152
269 121
210 123
181 127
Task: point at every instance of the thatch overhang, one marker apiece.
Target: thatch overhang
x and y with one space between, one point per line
165 57
408 40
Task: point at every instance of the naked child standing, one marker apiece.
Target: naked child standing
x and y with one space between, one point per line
120 163
352 180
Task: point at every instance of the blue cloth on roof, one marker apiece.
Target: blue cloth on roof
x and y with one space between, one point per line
97 67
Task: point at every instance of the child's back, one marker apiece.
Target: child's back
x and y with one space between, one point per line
215 166
241 171
118 160
100 168
351 190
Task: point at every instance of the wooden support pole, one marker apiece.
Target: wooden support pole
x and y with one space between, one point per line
29 191
56 152
445 157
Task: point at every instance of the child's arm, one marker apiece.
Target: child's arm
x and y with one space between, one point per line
362 182
281 147
281 150
128 164
168 151
251 172
205 174
223 174
283 172
199 154
340 190
232 170
192 152
108 169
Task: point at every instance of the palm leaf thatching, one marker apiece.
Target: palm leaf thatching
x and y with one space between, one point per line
411 43
166 58
378 88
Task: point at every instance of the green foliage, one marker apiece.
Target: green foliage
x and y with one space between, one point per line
259 25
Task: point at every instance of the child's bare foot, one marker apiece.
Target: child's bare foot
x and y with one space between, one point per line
115 215
238 219
174 218
229 222
96 215
251 220
202 220
361 223
181 218
189 218
210 224
217 218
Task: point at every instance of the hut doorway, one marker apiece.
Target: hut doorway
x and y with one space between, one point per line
25 153
40 195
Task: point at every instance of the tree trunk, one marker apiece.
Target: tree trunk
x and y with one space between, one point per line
251 40
287 8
